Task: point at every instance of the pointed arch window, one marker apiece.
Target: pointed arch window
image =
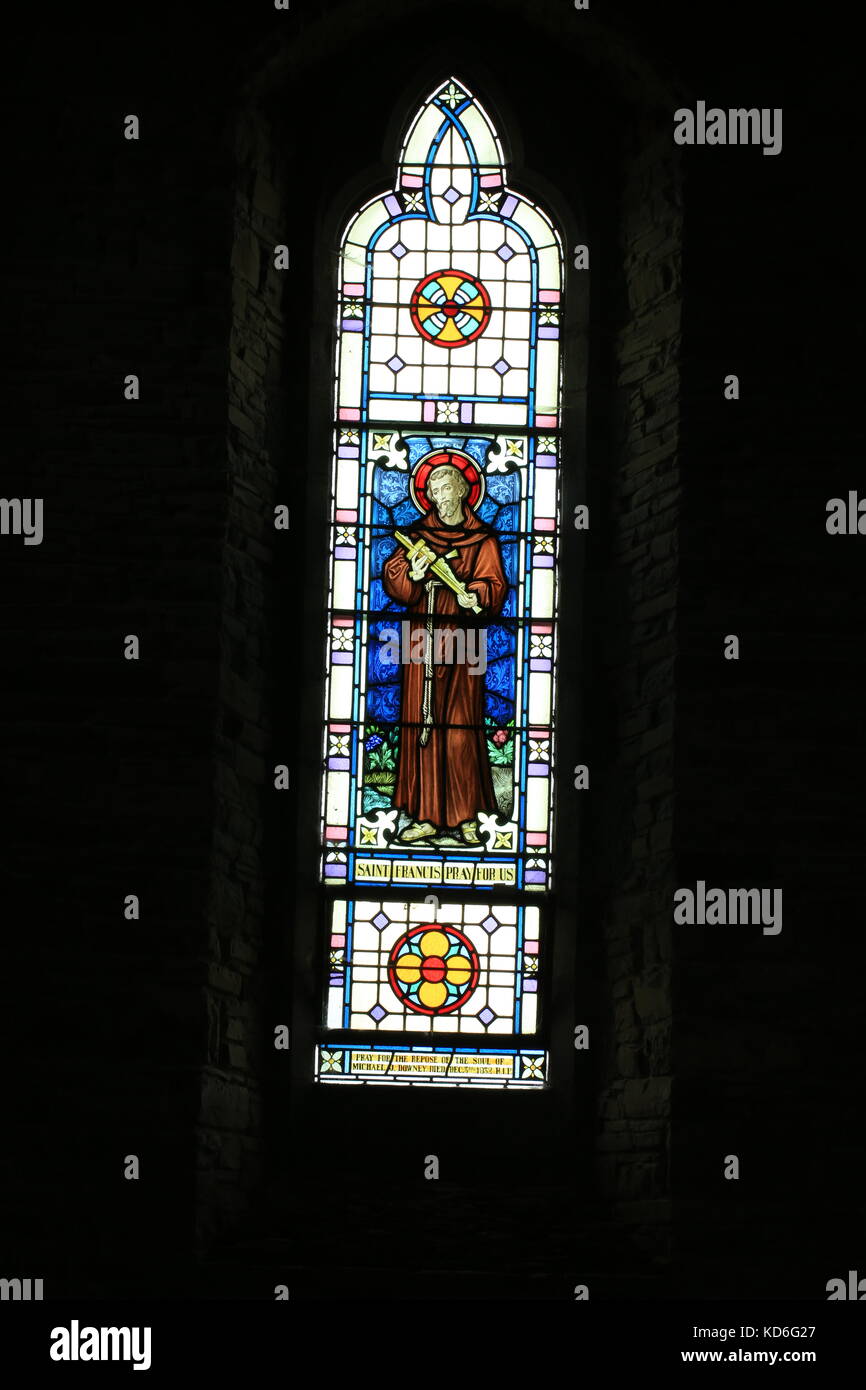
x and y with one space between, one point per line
437 799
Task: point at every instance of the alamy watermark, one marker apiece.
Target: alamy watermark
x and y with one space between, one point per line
21 1290
846 518
437 646
76 1343
854 1288
736 126
22 516
729 907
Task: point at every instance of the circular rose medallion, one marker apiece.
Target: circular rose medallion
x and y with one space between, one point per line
433 969
450 308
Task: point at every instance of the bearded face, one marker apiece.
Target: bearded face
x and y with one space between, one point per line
446 488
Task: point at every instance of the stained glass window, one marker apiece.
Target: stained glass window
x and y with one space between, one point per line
437 790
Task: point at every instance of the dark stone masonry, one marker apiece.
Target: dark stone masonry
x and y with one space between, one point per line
154 1036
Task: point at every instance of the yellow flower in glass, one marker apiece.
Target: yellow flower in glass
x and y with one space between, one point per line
433 969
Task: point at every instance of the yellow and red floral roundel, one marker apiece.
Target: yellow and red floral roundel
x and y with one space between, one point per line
433 969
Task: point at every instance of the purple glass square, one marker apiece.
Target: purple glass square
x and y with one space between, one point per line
377 1013
380 921
505 252
502 366
490 924
486 1016
395 363
398 250
451 195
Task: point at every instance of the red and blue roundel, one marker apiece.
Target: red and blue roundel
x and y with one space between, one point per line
450 308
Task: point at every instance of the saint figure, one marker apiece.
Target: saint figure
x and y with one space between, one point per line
443 771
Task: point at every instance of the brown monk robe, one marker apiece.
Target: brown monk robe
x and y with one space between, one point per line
446 781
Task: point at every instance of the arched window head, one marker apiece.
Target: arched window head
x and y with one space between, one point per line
437 804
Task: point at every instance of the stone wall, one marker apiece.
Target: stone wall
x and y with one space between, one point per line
230 1162
633 606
